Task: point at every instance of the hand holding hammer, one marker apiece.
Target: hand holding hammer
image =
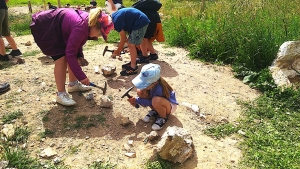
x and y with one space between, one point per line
130 98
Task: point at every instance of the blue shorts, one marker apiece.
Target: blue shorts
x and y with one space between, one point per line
136 36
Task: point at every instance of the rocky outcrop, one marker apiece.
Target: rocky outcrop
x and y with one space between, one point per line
176 145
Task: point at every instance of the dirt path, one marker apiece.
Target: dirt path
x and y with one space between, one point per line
212 88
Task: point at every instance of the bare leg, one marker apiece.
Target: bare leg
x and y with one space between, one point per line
60 69
149 46
132 51
12 42
162 106
2 48
72 77
143 47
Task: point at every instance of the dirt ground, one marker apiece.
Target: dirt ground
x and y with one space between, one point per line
213 88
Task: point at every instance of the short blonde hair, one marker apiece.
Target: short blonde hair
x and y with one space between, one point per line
94 16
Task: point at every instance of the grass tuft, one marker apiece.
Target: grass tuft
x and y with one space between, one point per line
11 116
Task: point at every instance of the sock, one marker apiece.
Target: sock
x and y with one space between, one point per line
73 83
61 93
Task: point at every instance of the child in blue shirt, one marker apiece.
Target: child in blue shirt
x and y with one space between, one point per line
155 92
133 22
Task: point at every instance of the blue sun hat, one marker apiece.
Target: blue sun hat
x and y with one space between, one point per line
149 74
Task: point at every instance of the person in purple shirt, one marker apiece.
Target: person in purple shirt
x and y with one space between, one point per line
135 23
154 92
61 34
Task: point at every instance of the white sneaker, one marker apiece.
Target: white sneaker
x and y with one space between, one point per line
65 100
78 87
151 113
159 123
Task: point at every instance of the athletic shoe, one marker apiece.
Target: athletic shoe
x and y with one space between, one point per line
152 113
65 100
15 53
4 58
4 87
129 71
79 87
153 57
142 59
159 123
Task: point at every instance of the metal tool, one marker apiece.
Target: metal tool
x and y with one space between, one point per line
127 94
102 88
106 49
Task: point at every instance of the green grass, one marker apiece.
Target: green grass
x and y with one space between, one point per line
63 2
21 135
159 163
8 118
31 53
19 24
101 165
221 131
272 128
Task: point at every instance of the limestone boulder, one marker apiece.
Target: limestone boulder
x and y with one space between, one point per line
285 69
176 145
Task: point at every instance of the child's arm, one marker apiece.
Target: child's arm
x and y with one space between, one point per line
112 4
121 44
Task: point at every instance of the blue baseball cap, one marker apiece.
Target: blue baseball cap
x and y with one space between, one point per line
149 74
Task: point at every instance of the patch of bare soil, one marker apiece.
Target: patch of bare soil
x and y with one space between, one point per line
100 136
213 88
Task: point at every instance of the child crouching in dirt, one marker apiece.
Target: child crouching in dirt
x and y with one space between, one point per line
155 92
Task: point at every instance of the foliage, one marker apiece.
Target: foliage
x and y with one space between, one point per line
245 34
20 159
19 24
31 53
159 163
20 135
220 131
272 130
101 165
8 118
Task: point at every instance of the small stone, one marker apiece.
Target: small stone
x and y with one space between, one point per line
28 43
153 135
241 132
131 155
56 160
108 70
130 142
89 96
125 121
126 146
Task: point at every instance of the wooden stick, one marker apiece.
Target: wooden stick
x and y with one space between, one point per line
29 7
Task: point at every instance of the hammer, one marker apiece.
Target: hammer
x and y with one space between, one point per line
106 49
102 88
127 94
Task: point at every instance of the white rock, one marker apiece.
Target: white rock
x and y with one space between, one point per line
48 152
8 130
131 155
193 107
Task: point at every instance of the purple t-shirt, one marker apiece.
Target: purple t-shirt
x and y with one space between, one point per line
62 31
156 91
